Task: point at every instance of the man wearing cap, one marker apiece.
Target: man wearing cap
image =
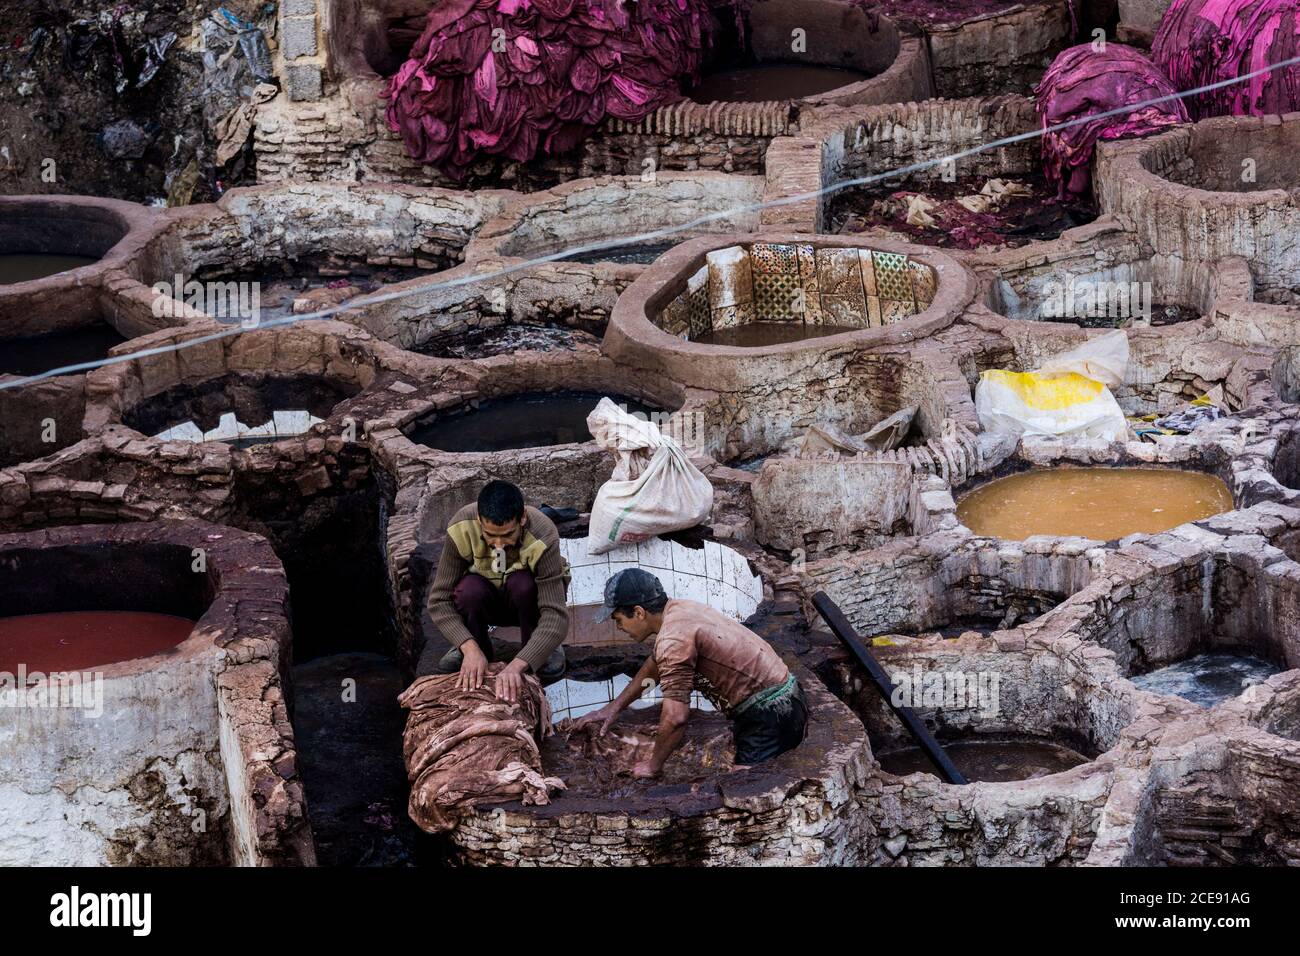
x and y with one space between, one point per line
697 646
500 566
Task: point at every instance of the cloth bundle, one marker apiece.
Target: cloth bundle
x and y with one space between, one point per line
1082 81
463 748
1205 41
519 78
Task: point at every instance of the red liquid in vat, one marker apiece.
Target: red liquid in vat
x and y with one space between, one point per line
81 640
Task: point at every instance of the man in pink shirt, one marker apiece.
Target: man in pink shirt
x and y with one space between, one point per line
697 646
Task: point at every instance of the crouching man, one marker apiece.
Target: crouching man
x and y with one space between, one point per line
697 646
500 566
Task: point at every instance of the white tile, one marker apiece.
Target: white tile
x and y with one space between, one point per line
623 554
583 693
588 585
186 431
655 553
729 566
558 696
575 552
716 591
730 601
689 560
690 587
713 559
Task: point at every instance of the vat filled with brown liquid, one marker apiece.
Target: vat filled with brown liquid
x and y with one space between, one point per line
991 760
1104 504
81 640
766 82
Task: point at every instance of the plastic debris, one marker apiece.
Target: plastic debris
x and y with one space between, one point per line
1200 42
1083 81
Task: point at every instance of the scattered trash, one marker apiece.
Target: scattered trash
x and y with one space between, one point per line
827 441
125 139
1069 395
252 42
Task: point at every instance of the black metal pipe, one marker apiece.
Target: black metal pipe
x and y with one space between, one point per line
840 626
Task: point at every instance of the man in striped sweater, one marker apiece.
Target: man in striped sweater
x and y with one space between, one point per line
501 566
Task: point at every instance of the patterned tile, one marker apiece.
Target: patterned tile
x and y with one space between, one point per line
844 310
767 258
775 297
675 318
893 277
838 272
923 284
731 278
873 311
808 280
868 271
730 316
698 317
893 311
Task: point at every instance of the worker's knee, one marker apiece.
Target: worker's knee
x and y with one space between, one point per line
521 589
472 593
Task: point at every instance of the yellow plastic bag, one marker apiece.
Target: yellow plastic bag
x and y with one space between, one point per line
1069 395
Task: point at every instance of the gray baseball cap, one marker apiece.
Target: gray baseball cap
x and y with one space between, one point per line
629 588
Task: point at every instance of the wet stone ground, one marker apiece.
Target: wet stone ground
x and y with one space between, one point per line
350 755
1013 221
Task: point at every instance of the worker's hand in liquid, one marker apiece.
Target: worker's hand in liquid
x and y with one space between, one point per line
510 682
605 717
645 770
473 667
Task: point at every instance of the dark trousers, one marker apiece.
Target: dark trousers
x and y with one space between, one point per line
480 606
764 732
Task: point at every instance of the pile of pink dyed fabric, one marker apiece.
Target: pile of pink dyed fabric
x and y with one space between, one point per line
1206 41
521 78
1081 82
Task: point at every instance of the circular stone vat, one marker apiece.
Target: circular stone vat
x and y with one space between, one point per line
304 248
526 420
1208 678
838 291
990 759
143 709
1233 175
242 409
795 809
1103 504
1027 716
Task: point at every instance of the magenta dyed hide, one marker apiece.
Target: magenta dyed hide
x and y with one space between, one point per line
558 68
1081 82
1200 42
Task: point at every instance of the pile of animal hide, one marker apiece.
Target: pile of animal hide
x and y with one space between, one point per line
463 748
1082 82
1200 42
522 78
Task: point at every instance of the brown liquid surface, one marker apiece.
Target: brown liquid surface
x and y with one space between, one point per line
23 266
42 353
988 760
592 765
80 640
1099 503
772 81
758 334
529 420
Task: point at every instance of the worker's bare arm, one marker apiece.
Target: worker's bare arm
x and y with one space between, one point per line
672 728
